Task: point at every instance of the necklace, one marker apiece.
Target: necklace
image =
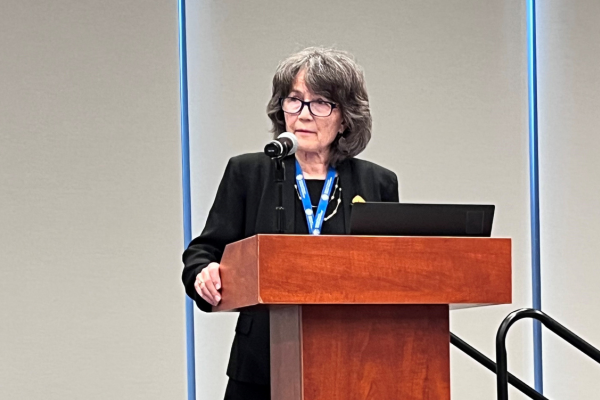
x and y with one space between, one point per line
337 191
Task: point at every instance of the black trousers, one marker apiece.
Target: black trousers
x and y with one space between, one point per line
237 390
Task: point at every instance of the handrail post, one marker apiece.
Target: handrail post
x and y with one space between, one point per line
501 357
490 365
551 324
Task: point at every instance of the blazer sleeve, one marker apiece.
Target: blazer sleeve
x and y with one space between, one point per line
224 225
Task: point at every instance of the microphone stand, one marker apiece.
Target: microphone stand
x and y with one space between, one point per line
279 210
277 149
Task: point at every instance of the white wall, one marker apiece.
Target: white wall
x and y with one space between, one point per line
91 302
569 137
448 88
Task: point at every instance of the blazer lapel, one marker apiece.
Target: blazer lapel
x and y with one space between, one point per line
344 171
289 193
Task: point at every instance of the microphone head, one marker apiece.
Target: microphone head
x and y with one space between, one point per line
292 138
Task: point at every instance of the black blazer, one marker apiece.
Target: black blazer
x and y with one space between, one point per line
245 206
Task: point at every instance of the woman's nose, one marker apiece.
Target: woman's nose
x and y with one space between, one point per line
305 113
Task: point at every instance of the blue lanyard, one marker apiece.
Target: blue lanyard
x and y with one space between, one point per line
314 222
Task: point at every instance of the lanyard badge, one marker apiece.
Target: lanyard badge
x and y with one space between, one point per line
315 222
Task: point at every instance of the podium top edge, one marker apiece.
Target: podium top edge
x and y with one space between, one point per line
382 236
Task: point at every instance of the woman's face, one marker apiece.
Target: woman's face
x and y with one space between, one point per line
315 134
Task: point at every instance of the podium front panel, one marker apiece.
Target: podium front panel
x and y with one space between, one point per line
360 352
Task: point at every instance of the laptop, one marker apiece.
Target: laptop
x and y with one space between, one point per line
401 219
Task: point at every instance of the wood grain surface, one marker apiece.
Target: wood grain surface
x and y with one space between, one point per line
390 270
303 269
361 352
239 275
286 352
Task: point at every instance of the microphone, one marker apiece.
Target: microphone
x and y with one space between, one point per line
286 144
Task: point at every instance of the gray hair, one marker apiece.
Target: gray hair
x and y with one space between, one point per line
335 75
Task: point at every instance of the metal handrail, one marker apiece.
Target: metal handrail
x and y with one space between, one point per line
560 330
489 364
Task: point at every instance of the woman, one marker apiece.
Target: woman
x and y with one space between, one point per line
320 96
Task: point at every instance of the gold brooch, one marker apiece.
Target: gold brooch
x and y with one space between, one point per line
358 199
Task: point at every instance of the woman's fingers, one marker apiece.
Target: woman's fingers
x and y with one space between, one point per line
208 283
215 275
214 293
200 286
207 296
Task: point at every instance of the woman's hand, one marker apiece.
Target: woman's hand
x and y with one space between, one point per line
208 284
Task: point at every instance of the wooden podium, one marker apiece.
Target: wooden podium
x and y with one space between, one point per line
363 317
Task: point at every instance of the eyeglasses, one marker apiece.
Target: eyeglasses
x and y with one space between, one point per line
318 108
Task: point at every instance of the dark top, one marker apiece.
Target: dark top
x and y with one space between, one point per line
245 206
334 215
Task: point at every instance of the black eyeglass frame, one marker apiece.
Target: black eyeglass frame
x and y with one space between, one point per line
307 103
